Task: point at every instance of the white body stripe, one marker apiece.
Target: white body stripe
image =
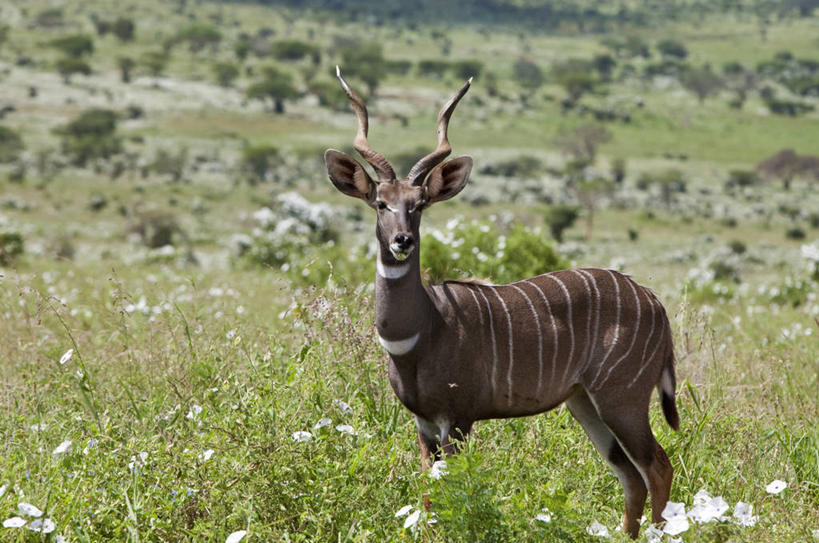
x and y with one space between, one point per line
391 272
647 361
401 346
477 303
616 324
494 343
539 338
569 323
554 327
633 338
592 348
511 349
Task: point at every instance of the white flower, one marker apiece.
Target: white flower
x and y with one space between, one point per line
29 510
14 522
412 519
89 445
45 526
598 530
301 436
194 411
743 513
326 421
63 447
702 497
343 406
235 537
66 356
776 487
59 539
403 511
676 521
205 456
346 429
438 469
38 427
545 516
654 534
2 490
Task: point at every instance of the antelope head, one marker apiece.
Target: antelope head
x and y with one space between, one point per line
398 202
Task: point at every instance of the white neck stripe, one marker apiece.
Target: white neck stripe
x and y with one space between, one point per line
391 272
401 346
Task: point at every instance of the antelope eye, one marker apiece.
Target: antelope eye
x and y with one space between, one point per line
380 205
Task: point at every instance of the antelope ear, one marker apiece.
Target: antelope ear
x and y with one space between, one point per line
348 175
448 179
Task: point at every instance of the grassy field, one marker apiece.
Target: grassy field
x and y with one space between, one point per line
162 393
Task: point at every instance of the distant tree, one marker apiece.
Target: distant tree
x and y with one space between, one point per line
198 36
102 26
627 47
740 81
274 85
590 193
618 170
91 135
701 81
559 217
604 65
123 28
329 94
49 18
154 62
68 66
581 143
433 68
258 162
528 75
242 47
576 77
226 73
464 69
125 64
672 48
170 164
74 46
292 50
11 144
398 67
785 165
364 61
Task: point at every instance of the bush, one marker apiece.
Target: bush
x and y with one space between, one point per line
198 36
91 135
75 46
523 166
157 229
257 163
398 67
68 66
737 247
559 218
123 29
795 232
225 73
291 50
433 68
11 247
477 249
672 48
464 69
11 144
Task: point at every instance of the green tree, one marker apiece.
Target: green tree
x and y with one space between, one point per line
464 69
528 75
274 85
68 66
366 62
154 62
91 135
258 162
293 50
198 36
581 143
559 217
10 144
226 73
701 81
242 47
590 193
125 64
124 28
76 45
672 49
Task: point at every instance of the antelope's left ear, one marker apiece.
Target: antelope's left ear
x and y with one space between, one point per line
349 176
448 179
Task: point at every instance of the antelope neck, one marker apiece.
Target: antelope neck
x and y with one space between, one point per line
402 305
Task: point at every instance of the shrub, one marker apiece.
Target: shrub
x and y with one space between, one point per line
464 69
398 67
795 232
559 218
523 166
11 247
257 162
123 29
91 135
154 62
157 229
433 68
11 144
74 46
198 36
68 66
672 48
737 246
477 249
225 73
290 50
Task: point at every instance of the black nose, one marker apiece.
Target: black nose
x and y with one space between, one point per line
404 241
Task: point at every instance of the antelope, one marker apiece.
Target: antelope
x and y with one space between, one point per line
464 351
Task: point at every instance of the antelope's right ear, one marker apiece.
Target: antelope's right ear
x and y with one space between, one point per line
349 176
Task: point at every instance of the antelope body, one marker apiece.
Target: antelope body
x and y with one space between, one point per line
463 351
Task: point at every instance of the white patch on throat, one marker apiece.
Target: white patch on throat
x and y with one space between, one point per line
391 272
401 346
